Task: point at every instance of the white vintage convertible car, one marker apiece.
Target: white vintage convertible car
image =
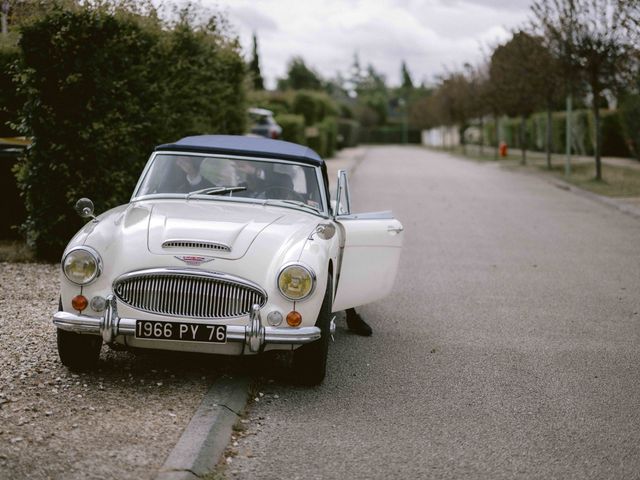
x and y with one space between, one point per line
230 245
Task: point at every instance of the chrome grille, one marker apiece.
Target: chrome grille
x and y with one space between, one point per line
196 244
188 294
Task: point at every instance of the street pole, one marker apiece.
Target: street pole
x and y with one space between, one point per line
567 162
5 11
403 104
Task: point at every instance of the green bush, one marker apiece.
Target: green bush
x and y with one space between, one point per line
613 137
348 131
630 122
329 129
279 103
292 127
304 104
9 100
313 106
388 134
316 139
103 88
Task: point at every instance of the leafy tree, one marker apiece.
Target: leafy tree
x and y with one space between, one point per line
300 77
515 73
9 100
406 82
254 67
597 40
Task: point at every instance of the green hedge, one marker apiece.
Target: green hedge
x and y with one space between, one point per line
280 103
614 142
316 139
388 134
292 127
102 88
9 100
630 121
348 131
329 128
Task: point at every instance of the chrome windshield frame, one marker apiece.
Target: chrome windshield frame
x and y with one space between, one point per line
324 212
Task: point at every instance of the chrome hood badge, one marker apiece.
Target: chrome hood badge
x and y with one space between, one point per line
193 260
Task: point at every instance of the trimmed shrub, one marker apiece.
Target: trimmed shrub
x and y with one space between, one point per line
613 138
9 100
304 104
279 103
316 140
292 127
388 134
101 90
630 122
348 131
313 106
329 129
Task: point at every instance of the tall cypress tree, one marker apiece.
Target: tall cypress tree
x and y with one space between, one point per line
407 83
254 67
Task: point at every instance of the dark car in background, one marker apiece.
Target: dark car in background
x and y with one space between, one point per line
263 124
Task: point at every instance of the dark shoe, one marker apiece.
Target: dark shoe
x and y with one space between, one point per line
357 325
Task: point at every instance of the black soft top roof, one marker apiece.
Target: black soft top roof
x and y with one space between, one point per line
245 146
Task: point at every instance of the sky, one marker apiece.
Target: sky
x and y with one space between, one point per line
432 36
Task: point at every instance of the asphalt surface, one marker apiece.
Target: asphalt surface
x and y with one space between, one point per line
508 349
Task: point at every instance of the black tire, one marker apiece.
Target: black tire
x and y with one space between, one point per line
78 352
310 360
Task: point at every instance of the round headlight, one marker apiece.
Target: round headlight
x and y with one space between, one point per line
81 265
296 281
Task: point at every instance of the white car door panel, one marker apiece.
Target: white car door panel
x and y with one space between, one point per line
370 256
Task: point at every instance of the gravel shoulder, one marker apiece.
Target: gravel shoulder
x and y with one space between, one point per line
120 421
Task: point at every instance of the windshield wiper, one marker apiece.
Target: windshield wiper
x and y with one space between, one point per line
215 191
297 203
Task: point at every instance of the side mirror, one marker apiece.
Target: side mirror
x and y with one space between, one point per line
84 207
326 231
343 198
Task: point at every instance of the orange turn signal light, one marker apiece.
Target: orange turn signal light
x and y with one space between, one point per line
79 302
294 319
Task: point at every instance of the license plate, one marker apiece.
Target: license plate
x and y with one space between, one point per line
189 332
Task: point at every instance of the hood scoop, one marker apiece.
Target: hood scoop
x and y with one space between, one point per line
217 229
200 245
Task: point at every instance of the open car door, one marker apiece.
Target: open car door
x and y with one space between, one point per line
369 252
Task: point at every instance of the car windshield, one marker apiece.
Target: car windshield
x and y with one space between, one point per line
237 177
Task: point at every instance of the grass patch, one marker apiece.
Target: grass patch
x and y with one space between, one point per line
14 251
617 181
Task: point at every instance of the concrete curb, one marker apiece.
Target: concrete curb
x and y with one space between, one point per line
207 435
614 203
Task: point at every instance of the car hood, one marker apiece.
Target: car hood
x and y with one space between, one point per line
131 237
223 231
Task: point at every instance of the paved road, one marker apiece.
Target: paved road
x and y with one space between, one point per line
509 349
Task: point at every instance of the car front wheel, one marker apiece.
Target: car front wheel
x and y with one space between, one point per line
310 360
78 352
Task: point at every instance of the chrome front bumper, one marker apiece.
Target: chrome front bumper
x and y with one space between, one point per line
254 336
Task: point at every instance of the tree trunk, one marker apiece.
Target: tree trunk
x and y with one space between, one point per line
567 161
596 116
481 135
523 139
497 125
549 137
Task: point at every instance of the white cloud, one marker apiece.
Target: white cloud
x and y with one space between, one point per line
430 35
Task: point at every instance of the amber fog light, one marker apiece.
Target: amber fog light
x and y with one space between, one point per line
79 302
294 318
